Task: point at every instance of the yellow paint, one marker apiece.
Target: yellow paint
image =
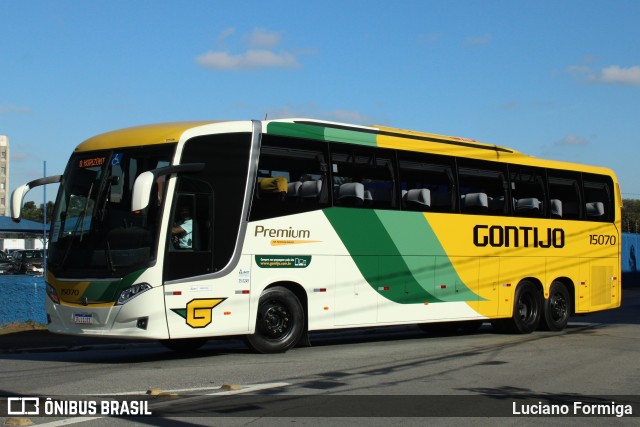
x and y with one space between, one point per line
200 311
163 133
577 261
292 242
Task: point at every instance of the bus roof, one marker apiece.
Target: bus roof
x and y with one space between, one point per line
376 136
388 137
161 133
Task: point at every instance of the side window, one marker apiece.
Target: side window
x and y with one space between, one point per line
362 177
292 178
191 216
209 202
564 194
427 182
528 193
598 197
483 188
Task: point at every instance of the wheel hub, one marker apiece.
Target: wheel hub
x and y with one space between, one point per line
276 320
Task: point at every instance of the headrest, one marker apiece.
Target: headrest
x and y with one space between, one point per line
421 196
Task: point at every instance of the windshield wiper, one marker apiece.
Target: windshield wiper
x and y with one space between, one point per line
108 256
79 222
83 215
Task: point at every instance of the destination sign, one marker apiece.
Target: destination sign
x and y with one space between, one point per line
92 162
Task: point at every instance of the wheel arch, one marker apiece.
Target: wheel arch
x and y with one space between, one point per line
535 282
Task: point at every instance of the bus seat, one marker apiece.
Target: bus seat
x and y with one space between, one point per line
418 199
527 206
293 189
310 189
351 194
475 202
595 209
556 208
368 197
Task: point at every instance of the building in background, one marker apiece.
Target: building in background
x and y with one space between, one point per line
4 176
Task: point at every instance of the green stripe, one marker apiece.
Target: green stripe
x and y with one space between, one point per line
101 292
296 130
321 133
400 251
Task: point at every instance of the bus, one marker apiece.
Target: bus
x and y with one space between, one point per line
181 232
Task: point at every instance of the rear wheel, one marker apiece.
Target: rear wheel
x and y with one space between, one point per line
279 323
557 308
527 309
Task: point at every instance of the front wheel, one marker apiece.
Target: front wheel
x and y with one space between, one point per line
279 323
557 308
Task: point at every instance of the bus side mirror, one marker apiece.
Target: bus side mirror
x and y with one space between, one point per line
145 181
141 190
16 201
18 194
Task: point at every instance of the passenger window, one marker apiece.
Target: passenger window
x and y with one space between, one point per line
292 177
483 188
564 194
362 177
427 183
528 193
598 198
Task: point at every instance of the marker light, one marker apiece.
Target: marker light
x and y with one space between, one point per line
53 295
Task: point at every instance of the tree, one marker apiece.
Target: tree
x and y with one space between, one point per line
33 213
631 216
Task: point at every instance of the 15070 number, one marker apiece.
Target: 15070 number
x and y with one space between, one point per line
602 239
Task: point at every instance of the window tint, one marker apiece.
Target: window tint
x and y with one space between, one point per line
598 198
427 183
292 177
564 194
528 193
362 177
215 197
483 188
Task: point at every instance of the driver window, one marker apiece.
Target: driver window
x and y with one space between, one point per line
190 233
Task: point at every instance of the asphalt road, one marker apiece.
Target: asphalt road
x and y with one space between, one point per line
383 372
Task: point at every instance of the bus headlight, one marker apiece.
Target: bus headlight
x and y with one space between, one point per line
132 292
52 294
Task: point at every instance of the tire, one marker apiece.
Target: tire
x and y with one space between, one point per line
185 345
527 309
557 308
280 322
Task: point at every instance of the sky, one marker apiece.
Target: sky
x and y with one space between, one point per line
553 79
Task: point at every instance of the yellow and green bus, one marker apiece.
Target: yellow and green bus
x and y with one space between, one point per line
271 229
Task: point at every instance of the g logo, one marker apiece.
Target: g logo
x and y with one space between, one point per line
200 311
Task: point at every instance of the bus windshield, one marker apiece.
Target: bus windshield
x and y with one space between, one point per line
94 232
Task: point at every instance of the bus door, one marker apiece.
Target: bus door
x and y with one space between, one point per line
199 302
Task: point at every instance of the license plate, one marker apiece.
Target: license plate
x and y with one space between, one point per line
83 318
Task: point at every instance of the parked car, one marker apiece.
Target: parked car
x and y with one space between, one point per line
10 252
6 266
28 261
